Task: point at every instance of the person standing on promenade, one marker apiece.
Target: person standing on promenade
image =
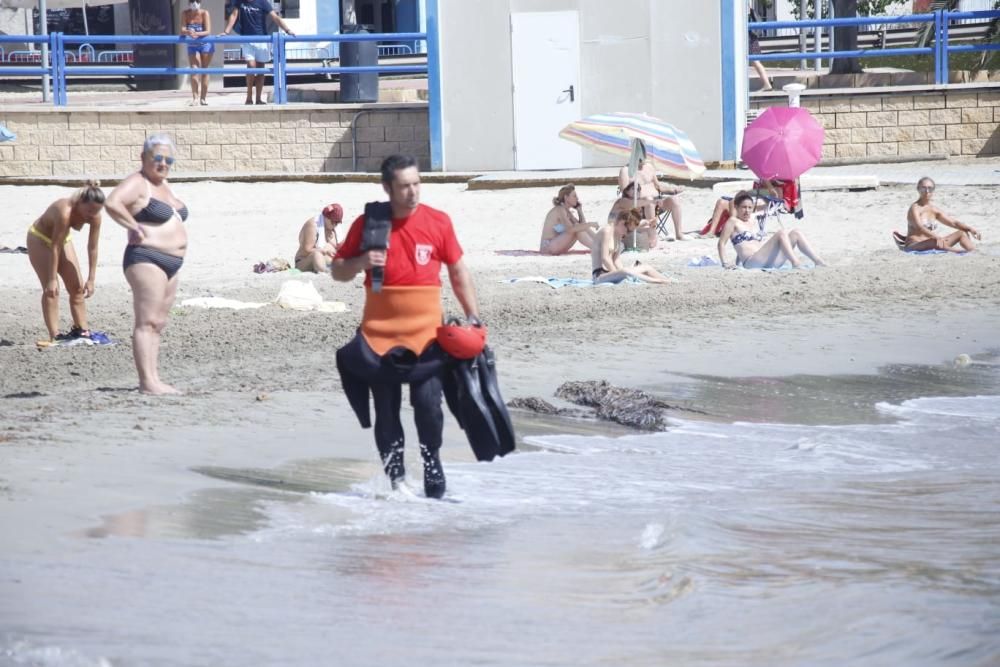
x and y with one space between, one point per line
144 204
52 255
197 24
395 343
754 49
252 18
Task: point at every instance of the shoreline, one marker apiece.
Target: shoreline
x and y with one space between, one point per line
90 445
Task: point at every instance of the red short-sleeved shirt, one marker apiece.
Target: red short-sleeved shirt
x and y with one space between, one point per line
418 244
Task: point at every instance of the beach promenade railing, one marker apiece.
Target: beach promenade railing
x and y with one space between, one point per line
939 49
279 68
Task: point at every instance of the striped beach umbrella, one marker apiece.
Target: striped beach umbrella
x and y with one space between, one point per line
670 149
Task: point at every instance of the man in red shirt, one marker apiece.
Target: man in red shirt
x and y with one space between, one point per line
395 343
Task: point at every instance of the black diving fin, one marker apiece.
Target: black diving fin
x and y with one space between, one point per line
491 392
473 396
474 413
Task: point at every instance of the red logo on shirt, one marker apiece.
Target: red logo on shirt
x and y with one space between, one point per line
423 253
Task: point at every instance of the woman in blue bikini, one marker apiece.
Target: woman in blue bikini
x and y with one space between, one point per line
565 224
157 241
752 251
198 24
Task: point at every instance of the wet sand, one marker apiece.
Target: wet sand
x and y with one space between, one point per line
81 426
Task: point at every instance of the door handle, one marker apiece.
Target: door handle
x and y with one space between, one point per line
570 91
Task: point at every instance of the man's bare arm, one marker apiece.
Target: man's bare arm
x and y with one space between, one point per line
465 290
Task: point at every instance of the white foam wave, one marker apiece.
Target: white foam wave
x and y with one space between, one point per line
983 408
24 653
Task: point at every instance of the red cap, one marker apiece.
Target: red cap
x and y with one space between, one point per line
333 212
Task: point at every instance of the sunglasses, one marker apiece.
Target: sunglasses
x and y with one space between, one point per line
926 188
163 158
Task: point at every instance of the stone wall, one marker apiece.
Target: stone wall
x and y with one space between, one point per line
908 123
308 139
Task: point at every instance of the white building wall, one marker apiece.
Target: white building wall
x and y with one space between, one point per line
661 57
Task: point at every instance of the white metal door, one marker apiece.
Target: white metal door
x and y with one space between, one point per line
545 50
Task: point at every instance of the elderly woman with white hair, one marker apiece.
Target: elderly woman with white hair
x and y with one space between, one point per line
145 205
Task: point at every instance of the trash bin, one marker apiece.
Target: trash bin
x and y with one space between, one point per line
357 86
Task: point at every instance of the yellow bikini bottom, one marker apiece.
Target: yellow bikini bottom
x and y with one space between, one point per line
45 239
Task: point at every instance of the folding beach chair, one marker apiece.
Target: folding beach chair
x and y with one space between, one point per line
790 203
662 218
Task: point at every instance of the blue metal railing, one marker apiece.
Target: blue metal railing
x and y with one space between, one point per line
279 69
940 49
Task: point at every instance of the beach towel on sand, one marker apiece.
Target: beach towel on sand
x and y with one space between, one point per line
556 283
900 241
65 340
219 302
535 253
300 295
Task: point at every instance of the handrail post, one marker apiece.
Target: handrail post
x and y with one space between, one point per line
58 56
945 66
937 47
278 47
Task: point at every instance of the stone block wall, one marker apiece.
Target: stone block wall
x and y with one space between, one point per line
908 123
308 140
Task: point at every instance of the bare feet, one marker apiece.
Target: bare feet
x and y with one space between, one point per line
159 389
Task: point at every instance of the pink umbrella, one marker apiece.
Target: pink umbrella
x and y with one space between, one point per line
782 142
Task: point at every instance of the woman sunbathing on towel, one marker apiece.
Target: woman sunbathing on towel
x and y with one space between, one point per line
752 251
606 253
52 255
922 219
565 224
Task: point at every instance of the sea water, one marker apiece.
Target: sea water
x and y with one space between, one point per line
863 533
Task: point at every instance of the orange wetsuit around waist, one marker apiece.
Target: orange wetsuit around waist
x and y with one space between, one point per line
401 317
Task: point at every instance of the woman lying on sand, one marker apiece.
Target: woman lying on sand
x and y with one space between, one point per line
606 253
52 255
922 219
752 251
565 224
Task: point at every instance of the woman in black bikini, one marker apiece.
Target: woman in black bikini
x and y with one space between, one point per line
157 241
752 251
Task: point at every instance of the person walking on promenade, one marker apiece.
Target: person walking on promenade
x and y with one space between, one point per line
754 49
145 205
395 343
251 15
198 24
52 255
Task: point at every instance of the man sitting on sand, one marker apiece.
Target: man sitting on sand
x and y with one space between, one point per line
654 197
606 253
318 240
922 220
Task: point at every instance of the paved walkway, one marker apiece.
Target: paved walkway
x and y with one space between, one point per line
957 171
